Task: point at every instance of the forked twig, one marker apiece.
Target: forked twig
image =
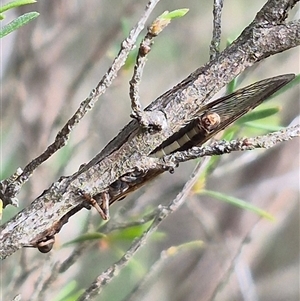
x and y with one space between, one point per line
147 119
63 135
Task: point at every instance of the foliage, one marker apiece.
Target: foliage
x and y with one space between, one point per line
19 21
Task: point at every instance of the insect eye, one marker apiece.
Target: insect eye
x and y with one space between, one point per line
210 120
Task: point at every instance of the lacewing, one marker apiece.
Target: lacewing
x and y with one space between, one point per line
211 119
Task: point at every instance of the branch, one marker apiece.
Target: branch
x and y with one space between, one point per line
63 135
162 213
265 36
225 147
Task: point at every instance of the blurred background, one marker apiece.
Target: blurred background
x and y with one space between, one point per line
50 65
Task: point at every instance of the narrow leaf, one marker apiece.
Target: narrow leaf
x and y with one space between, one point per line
66 290
86 237
74 296
265 127
13 4
17 23
195 244
164 20
238 203
258 114
133 232
178 13
230 133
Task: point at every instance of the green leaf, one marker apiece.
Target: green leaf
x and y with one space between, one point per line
74 296
67 292
263 126
14 4
230 132
17 23
133 232
238 203
86 237
178 13
195 244
258 114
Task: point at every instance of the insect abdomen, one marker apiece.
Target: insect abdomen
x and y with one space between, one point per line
191 135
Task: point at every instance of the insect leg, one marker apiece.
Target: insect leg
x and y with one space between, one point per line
102 198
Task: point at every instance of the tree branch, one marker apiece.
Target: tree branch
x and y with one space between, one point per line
225 147
162 214
63 135
265 36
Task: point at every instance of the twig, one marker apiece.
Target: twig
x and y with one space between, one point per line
81 247
59 268
63 135
101 47
157 267
225 147
232 257
216 38
147 119
48 271
163 213
106 228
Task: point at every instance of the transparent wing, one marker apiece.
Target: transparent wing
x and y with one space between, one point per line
228 109
235 105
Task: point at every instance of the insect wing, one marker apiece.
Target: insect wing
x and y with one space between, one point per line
218 114
235 105
212 118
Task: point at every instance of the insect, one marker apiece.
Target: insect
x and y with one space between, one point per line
211 119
